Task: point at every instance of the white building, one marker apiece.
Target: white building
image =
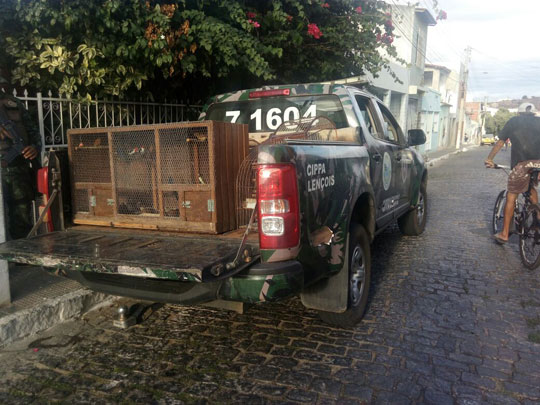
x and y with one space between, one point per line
446 83
404 99
424 96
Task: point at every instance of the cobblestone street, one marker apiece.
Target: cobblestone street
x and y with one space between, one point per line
452 318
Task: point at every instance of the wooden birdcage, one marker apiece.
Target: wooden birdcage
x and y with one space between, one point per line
175 177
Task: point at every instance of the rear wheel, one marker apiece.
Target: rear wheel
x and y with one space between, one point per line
359 280
498 213
529 240
413 222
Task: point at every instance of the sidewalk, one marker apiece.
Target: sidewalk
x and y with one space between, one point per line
40 301
432 157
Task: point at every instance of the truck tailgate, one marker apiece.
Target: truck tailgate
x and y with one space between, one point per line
199 258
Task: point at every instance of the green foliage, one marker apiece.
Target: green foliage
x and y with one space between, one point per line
500 118
490 125
494 124
189 48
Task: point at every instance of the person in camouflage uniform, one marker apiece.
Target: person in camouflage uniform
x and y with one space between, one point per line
18 177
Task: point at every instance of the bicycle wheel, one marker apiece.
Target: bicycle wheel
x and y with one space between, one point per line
529 240
498 213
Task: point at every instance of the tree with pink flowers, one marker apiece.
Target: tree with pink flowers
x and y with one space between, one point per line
189 48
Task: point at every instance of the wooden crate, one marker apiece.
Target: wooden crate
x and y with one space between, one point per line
176 177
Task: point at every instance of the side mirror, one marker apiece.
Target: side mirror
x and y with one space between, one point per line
416 137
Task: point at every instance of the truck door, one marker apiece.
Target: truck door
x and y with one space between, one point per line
402 158
382 151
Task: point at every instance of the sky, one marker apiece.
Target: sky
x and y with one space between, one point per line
505 40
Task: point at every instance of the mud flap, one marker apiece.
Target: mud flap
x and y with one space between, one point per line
330 294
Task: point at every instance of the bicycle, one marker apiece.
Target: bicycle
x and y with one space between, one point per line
525 224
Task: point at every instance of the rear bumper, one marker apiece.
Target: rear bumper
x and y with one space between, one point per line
264 282
259 283
147 289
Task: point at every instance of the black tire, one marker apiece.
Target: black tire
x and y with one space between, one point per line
529 241
413 222
359 280
498 213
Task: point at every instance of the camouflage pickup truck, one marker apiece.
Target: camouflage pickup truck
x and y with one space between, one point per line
319 202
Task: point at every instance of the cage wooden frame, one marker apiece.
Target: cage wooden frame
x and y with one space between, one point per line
227 146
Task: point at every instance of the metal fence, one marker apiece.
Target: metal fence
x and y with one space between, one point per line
55 115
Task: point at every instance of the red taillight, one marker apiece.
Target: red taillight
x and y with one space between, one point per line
270 93
277 198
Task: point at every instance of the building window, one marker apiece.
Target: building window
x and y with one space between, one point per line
428 79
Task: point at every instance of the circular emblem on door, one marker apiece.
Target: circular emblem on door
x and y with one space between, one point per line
386 171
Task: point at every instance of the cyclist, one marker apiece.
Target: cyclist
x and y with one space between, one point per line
523 131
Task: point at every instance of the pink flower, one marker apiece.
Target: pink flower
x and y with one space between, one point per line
387 39
314 31
388 23
289 18
325 5
358 9
251 14
442 15
254 23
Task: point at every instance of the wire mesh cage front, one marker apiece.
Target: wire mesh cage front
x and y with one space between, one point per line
172 176
134 163
90 161
313 129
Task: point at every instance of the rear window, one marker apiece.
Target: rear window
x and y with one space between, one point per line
267 114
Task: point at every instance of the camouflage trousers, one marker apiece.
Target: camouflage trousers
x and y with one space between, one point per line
518 179
18 191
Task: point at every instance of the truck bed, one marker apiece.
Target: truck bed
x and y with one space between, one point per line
147 254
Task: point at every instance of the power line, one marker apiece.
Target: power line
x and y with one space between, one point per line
509 68
447 36
476 78
411 26
415 46
407 23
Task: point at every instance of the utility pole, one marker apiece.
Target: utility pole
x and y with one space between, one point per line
484 113
462 95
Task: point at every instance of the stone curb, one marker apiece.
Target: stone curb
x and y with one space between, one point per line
52 311
430 162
